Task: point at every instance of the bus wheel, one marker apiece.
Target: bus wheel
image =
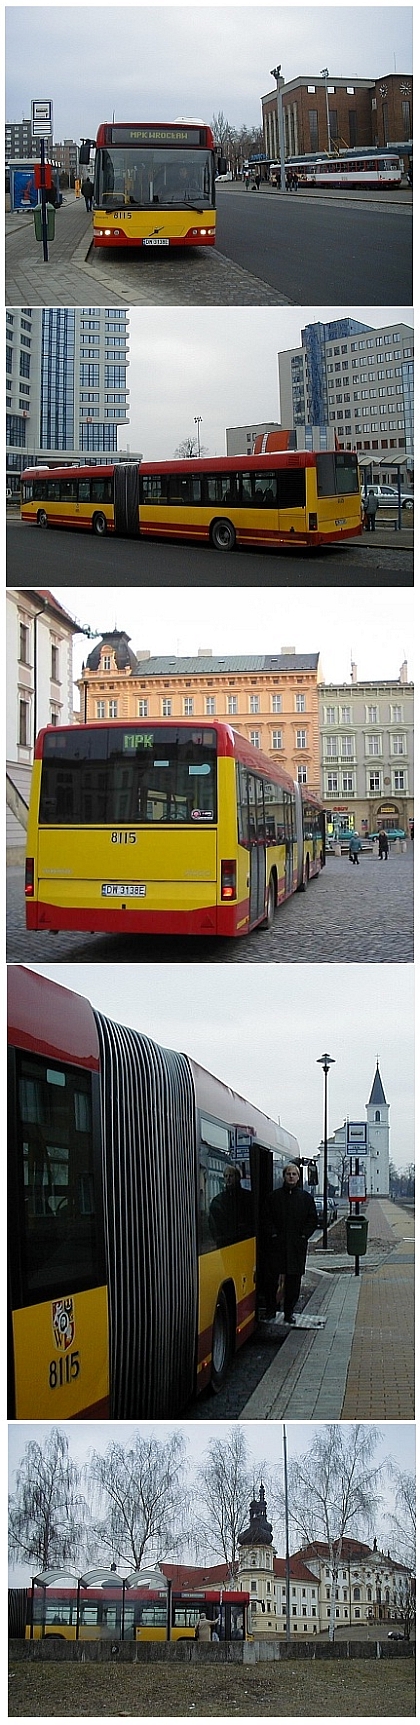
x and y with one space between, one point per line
221 1346
42 518
271 905
223 535
99 524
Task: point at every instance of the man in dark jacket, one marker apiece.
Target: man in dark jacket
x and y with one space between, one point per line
292 1218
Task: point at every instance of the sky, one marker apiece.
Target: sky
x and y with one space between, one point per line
161 62
265 1041
375 632
216 363
265 1449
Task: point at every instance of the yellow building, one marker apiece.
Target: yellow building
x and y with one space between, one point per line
271 698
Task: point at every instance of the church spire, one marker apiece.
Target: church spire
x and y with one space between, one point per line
377 1094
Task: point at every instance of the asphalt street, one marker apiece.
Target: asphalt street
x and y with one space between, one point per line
272 249
348 915
63 557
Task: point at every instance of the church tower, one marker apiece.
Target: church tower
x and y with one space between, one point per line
377 1115
256 1570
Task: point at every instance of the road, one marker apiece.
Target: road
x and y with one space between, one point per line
55 557
327 251
272 249
348 916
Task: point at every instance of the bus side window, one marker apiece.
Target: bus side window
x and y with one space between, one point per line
84 490
242 804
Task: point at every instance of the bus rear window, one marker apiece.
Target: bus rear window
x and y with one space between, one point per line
337 474
134 775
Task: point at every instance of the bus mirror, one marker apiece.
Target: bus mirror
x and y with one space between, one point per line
221 165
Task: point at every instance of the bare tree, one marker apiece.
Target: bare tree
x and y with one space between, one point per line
142 1497
48 1515
402 1536
225 1485
189 448
334 1492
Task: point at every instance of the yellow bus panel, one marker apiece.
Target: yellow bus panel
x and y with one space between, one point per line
61 1357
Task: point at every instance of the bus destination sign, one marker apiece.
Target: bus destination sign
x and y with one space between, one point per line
155 135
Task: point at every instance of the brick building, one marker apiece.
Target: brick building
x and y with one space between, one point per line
338 113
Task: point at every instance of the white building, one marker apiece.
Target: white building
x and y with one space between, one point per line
366 733
39 691
376 1163
357 1583
359 381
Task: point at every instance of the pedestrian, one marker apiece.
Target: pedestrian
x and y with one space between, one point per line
291 1218
355 845
383 845
257 179
204 1628
370 510
87 192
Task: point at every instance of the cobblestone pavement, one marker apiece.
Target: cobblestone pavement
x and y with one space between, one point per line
380 1382
76 273
348 915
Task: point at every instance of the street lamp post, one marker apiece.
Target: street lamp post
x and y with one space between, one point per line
286 1517
326 1060
275 73
325 74
198 421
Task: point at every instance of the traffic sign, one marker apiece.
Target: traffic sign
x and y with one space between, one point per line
356 1142
42 118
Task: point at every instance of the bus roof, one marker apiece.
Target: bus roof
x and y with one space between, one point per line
45 1017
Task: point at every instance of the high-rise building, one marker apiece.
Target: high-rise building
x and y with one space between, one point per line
66 383
360 382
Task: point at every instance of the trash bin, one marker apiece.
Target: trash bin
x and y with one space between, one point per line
357 1232
50 222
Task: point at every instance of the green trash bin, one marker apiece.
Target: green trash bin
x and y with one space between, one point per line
357 1233
50 222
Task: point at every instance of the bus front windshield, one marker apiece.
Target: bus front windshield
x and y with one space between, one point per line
143 177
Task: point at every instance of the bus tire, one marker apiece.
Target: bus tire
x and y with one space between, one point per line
42 518
221 1346
268 919
222 535
99 524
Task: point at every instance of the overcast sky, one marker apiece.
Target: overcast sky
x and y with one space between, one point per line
265 1448
265 1040
161 62
375 629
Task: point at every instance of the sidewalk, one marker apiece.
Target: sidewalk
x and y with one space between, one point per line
360 1365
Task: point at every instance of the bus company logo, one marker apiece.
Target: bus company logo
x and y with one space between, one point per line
63 1323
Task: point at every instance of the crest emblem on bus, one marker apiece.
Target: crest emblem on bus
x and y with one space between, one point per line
63 1323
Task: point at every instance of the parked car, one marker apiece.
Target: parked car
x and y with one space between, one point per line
331 1210
391 833
395 1635
388 494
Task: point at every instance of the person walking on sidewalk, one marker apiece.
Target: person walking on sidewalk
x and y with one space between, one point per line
291 1218
355 845
383 845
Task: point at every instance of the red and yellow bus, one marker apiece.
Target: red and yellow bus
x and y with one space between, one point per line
170 827
138 1191
292 499
122 1609
154 185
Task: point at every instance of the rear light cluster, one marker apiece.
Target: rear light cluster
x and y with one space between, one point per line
29 877
228 879
313 523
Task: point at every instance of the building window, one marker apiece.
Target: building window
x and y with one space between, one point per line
232 704
277 703
399 745
55 664
143 709
348 784
210 706
373 715
347 748
254 703
113 710
329 715
106 662
100 709
300 703
301 739
374 745
374 782
255 739
399 781
331 748
188 706
23 724
23 643
332 783
166 709
277 742
302 773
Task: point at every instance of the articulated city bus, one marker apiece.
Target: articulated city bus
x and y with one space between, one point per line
138 1192
170 827
297 498
154 185
124 1611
